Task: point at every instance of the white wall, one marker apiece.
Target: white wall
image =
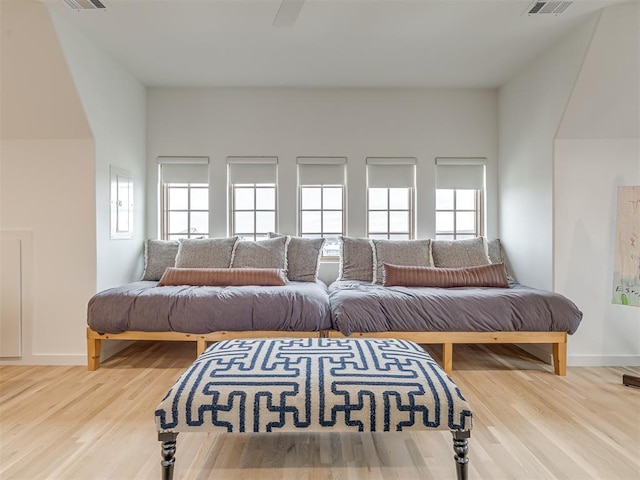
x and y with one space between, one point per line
531 105
588 173
47 188
115 105
356 123
68 112
605 102
597 150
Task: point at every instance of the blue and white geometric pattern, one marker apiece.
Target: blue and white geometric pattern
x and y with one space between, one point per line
313 384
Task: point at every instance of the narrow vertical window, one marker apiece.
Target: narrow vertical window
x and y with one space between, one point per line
253 192
184 200
459 198
390 198
321 184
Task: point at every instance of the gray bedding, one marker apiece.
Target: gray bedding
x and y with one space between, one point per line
365 307
142 306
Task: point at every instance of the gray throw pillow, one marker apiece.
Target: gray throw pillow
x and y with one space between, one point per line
494 250
303 257
158 255
356 259
205 252
459 253
399 252
496 254
270 253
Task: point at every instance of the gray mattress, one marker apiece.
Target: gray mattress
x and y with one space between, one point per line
365 307
142 306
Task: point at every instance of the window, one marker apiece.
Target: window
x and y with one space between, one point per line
254 211
186 210
322 215
459 198
458 213
390 198
321 183
253 193
390 213
184 198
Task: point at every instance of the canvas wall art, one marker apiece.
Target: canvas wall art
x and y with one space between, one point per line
626 268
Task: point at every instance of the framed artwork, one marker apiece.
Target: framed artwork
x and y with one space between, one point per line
121 191
626 268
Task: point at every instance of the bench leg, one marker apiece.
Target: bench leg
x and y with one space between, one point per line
93 353
168 454
447 358
461 447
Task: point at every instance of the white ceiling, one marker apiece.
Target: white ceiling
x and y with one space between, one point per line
332 43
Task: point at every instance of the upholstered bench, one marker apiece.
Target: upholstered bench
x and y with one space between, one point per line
313 385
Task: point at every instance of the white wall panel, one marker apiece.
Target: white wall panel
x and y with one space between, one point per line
10 297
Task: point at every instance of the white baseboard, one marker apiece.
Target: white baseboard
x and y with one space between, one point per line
603 361
109 349
543 352
78 359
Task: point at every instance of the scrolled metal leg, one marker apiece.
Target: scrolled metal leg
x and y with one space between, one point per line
168 454
461 447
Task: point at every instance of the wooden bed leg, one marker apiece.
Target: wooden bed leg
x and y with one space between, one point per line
560 358
201 346
94 346
447 358
168 454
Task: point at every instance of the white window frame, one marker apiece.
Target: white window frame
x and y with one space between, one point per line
255 186
462 173
166 188
252 172
322 233
410 211
185 173
321 173
478 210
388 173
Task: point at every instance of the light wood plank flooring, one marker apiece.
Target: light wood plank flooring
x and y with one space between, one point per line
68 423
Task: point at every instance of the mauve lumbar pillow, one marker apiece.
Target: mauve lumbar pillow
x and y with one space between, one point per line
493 275
223 277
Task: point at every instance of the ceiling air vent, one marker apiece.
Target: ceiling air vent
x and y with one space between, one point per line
84 4
546 8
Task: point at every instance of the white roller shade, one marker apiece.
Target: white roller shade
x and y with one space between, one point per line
391 173
252 169
184 169
321 170
460 173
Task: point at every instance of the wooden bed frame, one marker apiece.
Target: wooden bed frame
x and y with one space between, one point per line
447 339
94 339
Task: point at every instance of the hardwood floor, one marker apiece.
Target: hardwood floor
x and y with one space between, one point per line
68 423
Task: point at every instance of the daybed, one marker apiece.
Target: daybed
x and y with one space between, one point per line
476 310
165 307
